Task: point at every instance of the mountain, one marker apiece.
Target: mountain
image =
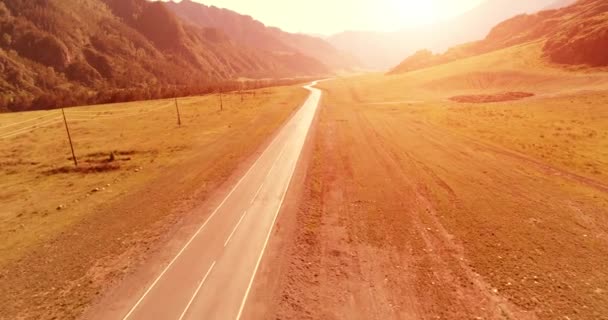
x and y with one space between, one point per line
573 35
382 50
248 31
57 52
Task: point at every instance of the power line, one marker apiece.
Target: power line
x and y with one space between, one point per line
112 116
31 128
25 121
70 110
81 117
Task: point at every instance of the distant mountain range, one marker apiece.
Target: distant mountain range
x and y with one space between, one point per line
58 52
247 31
572 35
384 50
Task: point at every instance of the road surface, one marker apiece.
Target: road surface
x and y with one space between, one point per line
211 276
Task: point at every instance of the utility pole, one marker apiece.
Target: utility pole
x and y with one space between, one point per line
67 129
221 102
241 92
179 118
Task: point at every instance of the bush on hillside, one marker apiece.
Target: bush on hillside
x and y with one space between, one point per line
80 71
100 62
42 48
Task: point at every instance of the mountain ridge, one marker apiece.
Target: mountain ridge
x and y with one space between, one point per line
58 53
572 35
383 50
251 32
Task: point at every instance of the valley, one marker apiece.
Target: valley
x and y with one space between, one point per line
68 233
426 208
182 160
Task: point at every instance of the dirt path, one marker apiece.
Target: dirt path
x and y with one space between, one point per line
400 219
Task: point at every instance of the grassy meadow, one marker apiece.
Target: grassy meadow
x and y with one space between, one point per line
118 147
564 123
496 210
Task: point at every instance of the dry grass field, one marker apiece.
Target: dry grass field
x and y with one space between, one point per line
562 124
419 207
67 232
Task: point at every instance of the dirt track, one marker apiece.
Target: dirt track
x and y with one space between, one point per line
400 218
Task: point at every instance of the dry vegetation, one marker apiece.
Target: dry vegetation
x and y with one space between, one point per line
562 124
66 232
574 35
416 206
497 97
63 53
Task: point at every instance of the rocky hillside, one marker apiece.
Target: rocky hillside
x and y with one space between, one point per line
56 52
573 35
384 50
246 30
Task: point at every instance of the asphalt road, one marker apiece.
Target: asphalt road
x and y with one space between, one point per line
210 278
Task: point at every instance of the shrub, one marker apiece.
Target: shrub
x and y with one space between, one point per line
100 62
42 48
82 72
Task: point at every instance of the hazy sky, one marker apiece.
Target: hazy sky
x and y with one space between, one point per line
332 16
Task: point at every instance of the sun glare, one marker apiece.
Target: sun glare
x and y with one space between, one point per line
415 12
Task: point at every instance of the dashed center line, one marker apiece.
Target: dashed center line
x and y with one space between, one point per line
200 285
266 197
257 193
234 230
256 196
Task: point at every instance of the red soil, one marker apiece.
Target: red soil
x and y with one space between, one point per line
398 218
486 98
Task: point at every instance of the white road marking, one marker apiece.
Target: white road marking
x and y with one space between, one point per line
257 193
200 285
234 230
194 236
274 164
275 141
260 188
257 265
276 214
